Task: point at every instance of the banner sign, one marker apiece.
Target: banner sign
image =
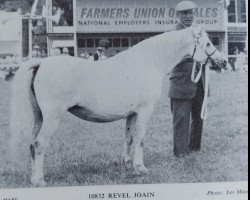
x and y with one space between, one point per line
63 35
100 16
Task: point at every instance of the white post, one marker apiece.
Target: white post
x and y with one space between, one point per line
226 33
33 9
21 39
74 24
32 14
247 24
49 24
236 11
30 38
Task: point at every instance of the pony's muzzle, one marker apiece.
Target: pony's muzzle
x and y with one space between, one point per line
219 58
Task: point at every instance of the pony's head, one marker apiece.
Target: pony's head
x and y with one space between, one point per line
202 49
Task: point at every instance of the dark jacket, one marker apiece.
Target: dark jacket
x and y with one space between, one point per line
181 86
96 56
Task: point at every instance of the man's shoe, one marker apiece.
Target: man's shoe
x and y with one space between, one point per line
182 154
194 148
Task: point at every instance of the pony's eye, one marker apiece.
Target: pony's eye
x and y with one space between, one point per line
208 44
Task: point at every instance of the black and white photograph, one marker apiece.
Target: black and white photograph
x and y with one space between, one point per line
124 93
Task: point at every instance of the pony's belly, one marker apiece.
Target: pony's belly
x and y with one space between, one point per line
88 115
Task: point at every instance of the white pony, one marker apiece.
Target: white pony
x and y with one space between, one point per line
126 86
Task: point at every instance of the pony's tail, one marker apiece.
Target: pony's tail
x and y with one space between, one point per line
22 115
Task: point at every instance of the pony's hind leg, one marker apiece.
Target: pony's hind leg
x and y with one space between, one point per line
129 132
37 128
143 117
38 117
39 147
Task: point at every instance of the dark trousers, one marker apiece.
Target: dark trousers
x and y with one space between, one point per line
187 122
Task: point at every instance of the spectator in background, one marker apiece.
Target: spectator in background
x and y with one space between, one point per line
65 51
35 52
241 61
91 57
39 54
55 52
103 57
43 54
98 53
85 55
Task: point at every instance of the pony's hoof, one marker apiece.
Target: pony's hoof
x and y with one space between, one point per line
126 159
38 182
140 170
127 162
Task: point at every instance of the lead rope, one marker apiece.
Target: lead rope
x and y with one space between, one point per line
205 101
195 80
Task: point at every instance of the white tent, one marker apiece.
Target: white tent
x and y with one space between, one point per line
10 33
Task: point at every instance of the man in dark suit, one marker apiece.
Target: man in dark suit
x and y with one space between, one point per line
186 96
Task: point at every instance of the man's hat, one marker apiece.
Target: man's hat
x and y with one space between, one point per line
185 5
99 48
65 50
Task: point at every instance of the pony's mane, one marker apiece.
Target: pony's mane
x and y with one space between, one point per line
171 44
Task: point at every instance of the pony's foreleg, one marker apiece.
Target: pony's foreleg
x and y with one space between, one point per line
39 148
143 117
129 131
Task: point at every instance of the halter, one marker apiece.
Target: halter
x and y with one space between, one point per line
195 80
208 55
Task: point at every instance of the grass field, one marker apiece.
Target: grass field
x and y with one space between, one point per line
83 153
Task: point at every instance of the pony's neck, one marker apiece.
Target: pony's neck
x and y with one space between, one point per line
169 49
